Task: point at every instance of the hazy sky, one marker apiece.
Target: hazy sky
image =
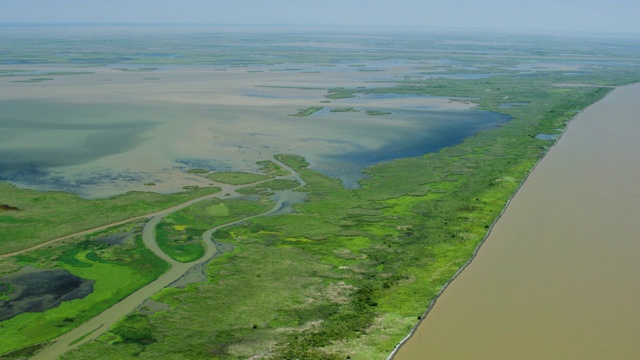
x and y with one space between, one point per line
550 15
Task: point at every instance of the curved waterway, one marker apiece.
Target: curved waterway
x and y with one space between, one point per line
557 278
101 323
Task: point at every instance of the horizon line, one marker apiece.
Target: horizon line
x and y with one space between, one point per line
532 31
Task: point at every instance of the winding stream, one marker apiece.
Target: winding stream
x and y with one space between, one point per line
101 323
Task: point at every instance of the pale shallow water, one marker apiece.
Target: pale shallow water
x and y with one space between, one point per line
97 138
558 276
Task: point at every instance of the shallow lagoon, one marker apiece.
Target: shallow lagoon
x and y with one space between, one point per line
98 138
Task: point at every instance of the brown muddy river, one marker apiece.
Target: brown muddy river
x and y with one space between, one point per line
558 276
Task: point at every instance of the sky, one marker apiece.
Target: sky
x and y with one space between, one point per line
610 16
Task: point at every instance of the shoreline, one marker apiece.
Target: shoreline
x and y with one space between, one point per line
490 229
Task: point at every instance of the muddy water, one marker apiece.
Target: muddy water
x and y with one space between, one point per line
558 276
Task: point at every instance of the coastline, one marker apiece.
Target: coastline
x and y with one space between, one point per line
532 267
431 305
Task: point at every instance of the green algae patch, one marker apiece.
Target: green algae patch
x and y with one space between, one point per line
117 271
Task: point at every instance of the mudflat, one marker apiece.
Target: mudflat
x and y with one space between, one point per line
109 131
557 278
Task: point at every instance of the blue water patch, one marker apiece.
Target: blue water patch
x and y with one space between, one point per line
431 131
364 96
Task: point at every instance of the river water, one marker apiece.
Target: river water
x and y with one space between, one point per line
558 276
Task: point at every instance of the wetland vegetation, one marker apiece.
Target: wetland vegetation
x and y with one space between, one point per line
114 260
308 111
350 270
46 216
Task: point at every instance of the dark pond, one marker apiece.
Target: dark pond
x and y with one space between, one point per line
37 290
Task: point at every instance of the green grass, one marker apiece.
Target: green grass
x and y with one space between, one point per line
178 243
279 276
179 235
9 220
49 215
269 167
117 270
339 93
295 161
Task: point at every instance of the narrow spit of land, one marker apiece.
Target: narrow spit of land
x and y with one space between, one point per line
557 277
101 323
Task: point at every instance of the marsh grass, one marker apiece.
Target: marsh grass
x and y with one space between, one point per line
179 235
49 215
117 270
269 167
